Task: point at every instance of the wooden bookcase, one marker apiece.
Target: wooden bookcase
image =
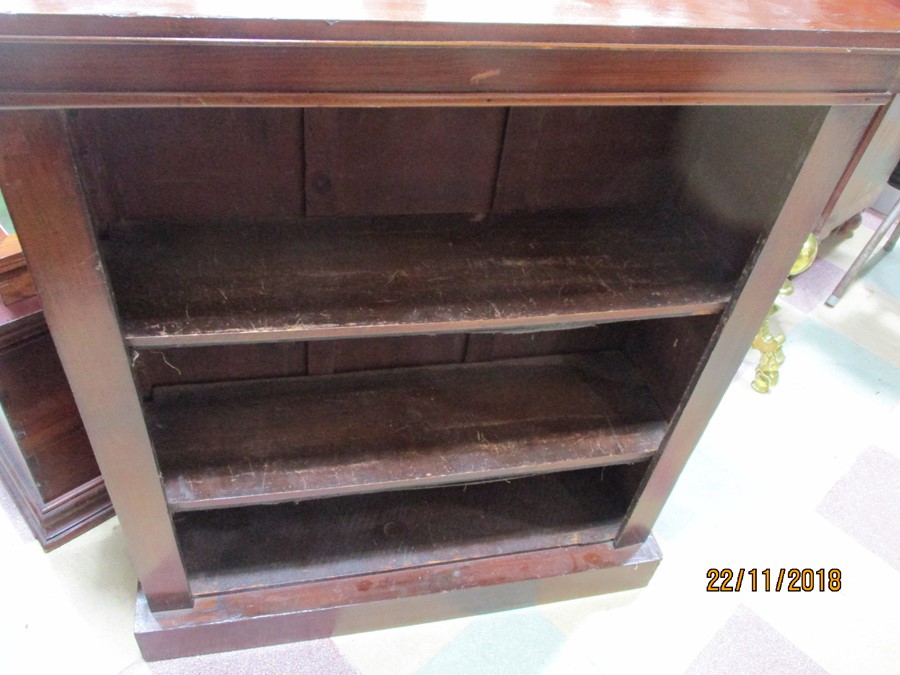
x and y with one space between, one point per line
384 320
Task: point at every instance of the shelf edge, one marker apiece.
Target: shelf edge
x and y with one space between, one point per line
137 339
179 504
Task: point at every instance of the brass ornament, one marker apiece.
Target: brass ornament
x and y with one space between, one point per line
769 344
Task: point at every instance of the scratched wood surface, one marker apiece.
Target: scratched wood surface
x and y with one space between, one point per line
160 367
227 550
301 438
351 276
191 365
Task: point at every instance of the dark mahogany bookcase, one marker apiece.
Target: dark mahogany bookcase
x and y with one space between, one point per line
387 319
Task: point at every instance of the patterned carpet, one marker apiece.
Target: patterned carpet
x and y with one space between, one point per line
805 477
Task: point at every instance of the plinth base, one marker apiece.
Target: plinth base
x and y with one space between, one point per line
260 617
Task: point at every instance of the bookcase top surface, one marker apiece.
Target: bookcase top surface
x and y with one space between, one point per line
801 23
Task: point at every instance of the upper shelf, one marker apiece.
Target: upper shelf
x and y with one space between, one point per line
341 277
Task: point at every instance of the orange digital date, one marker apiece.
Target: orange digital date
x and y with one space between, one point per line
793 580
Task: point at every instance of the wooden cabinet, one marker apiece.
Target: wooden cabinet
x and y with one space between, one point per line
391 319
46 461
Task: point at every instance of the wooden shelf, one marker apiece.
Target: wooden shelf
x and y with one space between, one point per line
302 438
226 550
340 277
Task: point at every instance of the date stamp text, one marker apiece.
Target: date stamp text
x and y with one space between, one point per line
766 580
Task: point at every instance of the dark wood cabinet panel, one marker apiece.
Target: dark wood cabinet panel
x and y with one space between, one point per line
213 165
366 161
202 68
39 407
46 459
823 24
581 157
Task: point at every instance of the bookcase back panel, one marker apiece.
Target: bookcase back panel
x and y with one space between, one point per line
189 365
401 160
161 367
190 165
583 157
258 165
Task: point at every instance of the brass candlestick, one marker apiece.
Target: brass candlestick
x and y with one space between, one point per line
769 344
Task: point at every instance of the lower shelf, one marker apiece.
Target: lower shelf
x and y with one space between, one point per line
227 550
287 439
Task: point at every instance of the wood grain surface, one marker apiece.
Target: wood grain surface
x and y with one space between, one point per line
811 23
212 260
200 67
355 276
227 550
289 439
456 588
43 192
364 161
185 165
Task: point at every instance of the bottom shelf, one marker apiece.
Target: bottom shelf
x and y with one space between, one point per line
230 550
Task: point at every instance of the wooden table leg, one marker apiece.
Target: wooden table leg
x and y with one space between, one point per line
866 253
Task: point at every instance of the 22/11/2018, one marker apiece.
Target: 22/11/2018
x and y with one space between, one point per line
793 580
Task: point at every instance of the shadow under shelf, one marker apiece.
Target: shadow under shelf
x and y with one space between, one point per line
361 536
